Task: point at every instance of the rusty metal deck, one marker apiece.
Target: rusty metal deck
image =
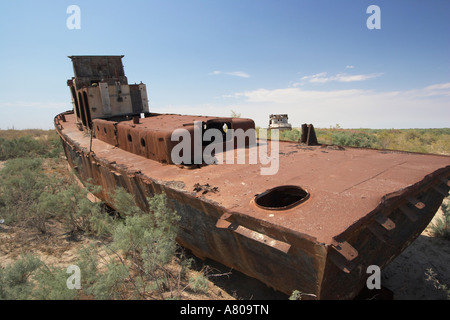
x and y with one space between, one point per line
345 185
351 192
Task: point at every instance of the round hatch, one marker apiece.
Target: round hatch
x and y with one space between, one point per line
281 198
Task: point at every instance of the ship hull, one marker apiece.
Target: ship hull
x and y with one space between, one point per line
282 258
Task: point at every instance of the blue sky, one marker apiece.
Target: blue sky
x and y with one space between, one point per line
315 60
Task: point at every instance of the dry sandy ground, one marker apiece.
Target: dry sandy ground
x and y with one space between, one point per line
414 275
421 270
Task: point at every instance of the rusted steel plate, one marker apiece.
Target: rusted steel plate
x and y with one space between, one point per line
341 193
354 216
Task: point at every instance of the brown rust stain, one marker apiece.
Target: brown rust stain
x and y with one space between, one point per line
344 185
353 196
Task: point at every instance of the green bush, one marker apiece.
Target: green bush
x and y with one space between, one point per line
290 135
441 226
354 139
27 146
30 197
141 260
15 281
20 147
51 284
199 283
148 239
22 182
412 140
298 295
103 278
29 278
78 214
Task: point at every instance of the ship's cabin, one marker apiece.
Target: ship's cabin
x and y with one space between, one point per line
100 90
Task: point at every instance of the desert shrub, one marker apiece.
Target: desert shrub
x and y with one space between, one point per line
295 295
148 239
199 283
78 214
411 140
56 147
30 197
415 140
298 295
431 276
103 278
235 114
22 181
441 226
142 260
291 135
385 139
29 278
15 281
105 275
324 135
48 146
20 147
50 283
354 139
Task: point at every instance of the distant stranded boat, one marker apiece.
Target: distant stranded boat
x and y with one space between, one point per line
279 121
314 224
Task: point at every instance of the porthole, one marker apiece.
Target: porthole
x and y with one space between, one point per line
281 198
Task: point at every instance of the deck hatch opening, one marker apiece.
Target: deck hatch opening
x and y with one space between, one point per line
281 198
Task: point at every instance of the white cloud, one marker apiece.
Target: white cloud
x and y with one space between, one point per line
323 77
349 67
238 74
316 78
437 89
352 108
342 77
233 73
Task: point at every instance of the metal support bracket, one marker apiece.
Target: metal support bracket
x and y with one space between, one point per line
222 223
343 255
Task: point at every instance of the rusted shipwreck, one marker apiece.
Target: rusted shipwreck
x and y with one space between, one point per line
314 226
279 121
